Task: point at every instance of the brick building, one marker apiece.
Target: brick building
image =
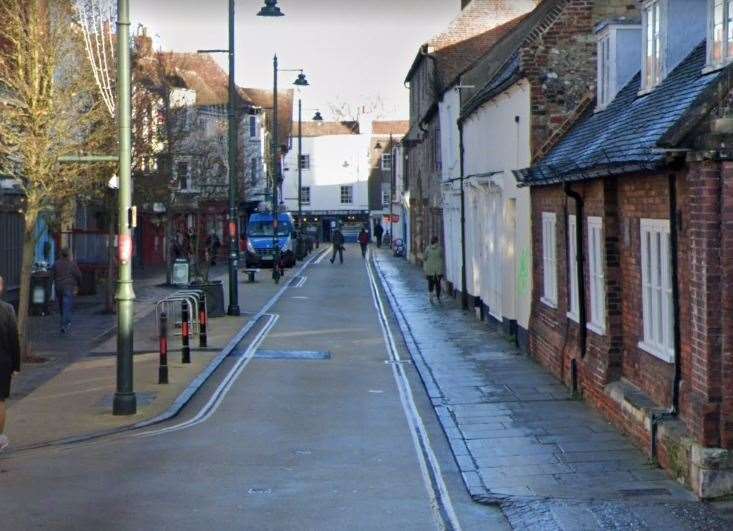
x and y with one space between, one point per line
632 237
386 134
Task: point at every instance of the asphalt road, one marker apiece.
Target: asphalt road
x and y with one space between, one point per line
349 442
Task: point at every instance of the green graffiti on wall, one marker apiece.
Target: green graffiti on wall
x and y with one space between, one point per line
523 273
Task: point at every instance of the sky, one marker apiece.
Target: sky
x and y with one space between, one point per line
354 52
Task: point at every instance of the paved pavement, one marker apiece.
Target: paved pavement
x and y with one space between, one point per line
349 441
520 439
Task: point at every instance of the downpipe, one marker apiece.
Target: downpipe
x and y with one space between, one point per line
673 411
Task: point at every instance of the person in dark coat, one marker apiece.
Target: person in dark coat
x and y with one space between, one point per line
338 245
363 241
9 357
378 232
67 279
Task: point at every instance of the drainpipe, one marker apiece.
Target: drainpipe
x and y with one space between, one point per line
580 259
674 409
464 295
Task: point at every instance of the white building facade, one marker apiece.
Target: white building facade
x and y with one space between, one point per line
334 179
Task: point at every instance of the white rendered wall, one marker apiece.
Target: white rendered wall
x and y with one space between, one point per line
335 161
498 229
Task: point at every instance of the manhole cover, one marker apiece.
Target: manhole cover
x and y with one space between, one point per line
260 491
292 355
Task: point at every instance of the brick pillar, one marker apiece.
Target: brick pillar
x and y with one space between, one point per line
703 228
614 289
726 305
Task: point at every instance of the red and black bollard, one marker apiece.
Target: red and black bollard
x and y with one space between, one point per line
203 317
185 333
163 366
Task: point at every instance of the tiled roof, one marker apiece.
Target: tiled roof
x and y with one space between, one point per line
328 128
623 137
263 98
390 127
453 60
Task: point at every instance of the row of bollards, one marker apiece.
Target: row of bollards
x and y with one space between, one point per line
191 302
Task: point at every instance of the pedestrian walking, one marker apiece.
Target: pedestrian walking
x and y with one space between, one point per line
9 357
338 245
433 267
378 233
363 241
66 278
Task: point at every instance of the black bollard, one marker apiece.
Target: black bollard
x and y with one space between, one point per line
203 318
185 333
163 366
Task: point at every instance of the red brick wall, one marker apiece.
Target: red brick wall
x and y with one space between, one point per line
705 272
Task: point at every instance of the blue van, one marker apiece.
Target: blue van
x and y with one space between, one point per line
260 239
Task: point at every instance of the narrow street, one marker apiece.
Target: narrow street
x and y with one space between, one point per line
278 442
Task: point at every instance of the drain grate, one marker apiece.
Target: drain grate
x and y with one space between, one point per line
292 355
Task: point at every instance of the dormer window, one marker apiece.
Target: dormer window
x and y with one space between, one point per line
618 45
653 56
720 32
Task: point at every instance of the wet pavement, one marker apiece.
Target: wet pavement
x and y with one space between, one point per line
520 439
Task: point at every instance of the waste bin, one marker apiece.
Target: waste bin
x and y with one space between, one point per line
88 281
214 290
40 293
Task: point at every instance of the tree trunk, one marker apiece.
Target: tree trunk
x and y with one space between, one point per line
109 296
26 267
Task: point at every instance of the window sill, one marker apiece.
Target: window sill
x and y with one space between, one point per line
644 92
573 317
710 68
595 328
658 353
548 302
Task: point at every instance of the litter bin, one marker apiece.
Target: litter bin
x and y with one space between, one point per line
88 281
214 290
40 293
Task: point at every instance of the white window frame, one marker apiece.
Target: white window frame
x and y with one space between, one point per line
726 34
656 9
348 191
387 161
606 58
549 259
573 290
305 161
305 195
596 275
188 178
252 126
656 288
386 195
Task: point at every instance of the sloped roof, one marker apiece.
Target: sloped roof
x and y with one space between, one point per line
474 20
311 129
263 98
623 137
500 66
454 60
390 127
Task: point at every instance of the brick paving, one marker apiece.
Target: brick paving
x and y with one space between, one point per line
519 437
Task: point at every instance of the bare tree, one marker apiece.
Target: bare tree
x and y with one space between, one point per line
48 112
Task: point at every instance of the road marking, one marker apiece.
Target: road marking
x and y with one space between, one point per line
440 499
221 391
300 282
320 258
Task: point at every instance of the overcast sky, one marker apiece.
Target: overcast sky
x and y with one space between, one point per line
351 50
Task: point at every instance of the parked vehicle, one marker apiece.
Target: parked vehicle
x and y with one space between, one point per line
261 240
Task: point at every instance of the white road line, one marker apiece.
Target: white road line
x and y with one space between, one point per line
429 465
226 384
320 258
220 393
300 282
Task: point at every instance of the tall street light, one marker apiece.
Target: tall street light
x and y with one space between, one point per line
125 401
300 81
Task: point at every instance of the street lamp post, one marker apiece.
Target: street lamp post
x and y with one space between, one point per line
125 401
275 169
233 308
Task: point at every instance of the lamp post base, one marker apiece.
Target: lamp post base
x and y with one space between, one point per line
124 404
234 311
